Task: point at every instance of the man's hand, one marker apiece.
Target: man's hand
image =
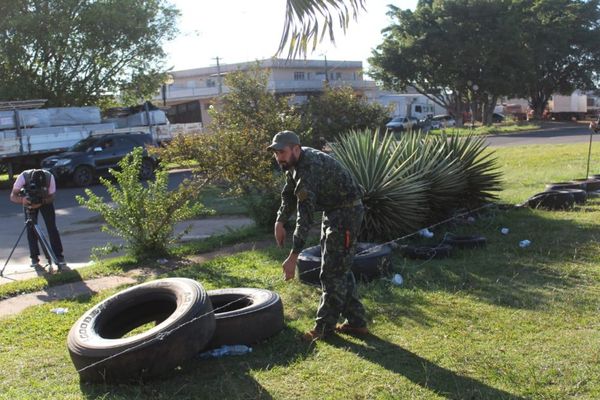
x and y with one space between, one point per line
289 266
279 233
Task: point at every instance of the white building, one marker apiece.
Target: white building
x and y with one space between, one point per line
192 91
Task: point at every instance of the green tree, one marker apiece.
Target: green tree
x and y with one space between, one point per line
244 121
73 52
563 48
456 53
337 111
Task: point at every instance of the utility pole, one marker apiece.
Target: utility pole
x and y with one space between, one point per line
219 75
326 70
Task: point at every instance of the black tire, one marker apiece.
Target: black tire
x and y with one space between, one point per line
367 265
552 200
579 196
83 176
245 316
565 185
427 252
147 169
184 325
592 185
465 242
371 261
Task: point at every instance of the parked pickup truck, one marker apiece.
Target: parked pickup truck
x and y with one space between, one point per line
27 135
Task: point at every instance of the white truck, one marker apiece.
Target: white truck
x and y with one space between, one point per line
407 105
29 134
573 107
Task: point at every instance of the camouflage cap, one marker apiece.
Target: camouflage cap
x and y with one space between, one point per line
282 139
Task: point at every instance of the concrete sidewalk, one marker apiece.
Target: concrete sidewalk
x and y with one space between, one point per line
80 232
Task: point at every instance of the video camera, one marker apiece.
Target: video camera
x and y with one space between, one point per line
36 189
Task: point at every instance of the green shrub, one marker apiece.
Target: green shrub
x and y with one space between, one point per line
395 195
143 215
417 180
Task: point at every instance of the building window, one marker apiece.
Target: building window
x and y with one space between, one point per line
211 83
299 76
338 76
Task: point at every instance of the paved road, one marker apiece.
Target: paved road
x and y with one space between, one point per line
551 133
80 230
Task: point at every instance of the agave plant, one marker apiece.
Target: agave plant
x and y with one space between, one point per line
395 195
478 167
442 172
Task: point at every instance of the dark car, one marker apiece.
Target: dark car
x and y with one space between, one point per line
497 117
95 155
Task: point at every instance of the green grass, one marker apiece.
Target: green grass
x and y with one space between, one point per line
504 128
499 323
122 264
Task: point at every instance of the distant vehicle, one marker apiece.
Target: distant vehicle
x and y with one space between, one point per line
400 123
95 155
442 121
497 117
566 108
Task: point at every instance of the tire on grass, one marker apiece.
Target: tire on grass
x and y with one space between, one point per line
370 262
427 252
465 242
552 200
245 316
101 351
579 196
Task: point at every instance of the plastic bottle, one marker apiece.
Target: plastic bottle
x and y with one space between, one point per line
60 311
524 243
227 350
426 233
397 280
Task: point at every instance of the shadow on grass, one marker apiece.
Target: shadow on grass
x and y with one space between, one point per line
420 371
505 274
218 378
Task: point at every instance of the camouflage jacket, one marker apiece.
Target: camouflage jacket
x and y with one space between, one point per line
317 182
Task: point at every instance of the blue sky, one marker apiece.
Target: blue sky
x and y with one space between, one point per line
242 30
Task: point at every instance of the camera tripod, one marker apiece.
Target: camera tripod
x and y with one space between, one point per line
40 236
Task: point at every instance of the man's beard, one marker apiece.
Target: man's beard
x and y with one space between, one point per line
290 163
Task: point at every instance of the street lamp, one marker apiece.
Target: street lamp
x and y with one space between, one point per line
168 81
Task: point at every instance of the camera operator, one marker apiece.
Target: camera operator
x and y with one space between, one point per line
35 189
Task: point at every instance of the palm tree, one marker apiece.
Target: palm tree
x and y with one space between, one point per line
308 21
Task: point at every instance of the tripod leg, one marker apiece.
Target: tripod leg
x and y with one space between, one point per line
13 249
45 245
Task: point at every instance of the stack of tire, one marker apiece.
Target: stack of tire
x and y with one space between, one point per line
370 262
188 320
564 195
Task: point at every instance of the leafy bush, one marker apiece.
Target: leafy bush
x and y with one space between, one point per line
479 168
395 197
442 172
416 181
143 215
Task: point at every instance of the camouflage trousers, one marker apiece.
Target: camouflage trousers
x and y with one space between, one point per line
339 230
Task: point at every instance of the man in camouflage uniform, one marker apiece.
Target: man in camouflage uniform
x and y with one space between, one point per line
317 182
